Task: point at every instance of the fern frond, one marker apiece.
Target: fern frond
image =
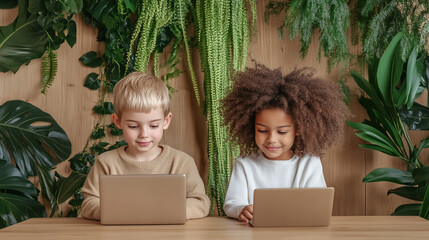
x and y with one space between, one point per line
49 69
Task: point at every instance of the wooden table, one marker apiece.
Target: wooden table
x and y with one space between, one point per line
342 227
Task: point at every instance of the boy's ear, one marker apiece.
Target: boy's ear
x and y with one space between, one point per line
167 121
116 120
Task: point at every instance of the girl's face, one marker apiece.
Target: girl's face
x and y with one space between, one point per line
275 133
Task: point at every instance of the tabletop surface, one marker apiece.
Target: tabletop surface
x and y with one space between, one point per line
341 227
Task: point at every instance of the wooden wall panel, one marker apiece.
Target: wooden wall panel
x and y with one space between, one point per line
70 104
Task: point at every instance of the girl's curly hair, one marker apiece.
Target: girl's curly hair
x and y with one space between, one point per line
315 105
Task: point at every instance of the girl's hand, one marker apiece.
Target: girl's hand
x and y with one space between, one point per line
246 214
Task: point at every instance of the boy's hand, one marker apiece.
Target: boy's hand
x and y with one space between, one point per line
246 214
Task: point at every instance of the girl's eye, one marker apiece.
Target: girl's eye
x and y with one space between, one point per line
282 132
154 126
262 130
132 127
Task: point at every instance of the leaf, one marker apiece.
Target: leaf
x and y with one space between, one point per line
412 80
424 210
413 193
115 131
416 118
98 133
18 196
71 33
105 108
421 175
49 69
92 82
390 175
8 4
373 135
90 59
411 209
74 6
389 68
368 89
68 186
21 41
26 131
47 186
131 4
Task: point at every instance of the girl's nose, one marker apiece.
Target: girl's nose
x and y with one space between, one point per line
271 138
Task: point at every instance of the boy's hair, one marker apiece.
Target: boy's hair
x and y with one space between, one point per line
315 105
140 92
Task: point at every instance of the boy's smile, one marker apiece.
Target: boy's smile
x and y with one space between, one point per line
275 133
143 132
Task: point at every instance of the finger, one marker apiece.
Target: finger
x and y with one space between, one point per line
242 218
248 215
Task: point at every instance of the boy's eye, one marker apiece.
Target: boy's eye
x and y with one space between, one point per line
154 126
132 127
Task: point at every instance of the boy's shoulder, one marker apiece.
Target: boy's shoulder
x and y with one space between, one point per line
110 155
176 153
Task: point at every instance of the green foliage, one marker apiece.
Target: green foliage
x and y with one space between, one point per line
21 41
303 17
37 144
218 36
379 21
90 59
49 69
18 196
392 89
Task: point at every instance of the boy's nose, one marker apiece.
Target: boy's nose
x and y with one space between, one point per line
143 133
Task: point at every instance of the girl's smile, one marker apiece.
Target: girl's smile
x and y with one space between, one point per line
275 133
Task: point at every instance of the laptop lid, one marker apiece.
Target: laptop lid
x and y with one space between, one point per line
292 207
143 199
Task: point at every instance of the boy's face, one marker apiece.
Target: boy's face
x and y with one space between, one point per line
142 131
275 133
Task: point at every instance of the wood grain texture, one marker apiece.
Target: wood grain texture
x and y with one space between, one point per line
341 227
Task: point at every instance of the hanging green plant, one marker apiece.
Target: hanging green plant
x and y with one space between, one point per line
222 28
160 22
380 21
304 17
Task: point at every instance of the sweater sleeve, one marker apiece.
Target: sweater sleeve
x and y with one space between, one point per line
197 202
91 193
314 174
237 195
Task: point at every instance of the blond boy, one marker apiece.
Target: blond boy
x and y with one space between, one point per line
142 111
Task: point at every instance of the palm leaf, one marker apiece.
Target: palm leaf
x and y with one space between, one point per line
49 69
27 131
21 41
18 196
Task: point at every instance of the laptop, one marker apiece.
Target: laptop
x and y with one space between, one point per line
292 207
143 199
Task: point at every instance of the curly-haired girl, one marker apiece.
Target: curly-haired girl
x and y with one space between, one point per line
282 125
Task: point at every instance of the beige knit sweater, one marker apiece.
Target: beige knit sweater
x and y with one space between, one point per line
170 161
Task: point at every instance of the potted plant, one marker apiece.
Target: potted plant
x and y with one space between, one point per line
390 103
31 144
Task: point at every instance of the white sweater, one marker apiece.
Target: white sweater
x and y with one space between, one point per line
254 172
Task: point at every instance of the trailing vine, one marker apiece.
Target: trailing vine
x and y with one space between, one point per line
303 17
222 28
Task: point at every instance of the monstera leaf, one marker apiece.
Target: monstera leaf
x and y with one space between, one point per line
18 196
21 41
32 136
